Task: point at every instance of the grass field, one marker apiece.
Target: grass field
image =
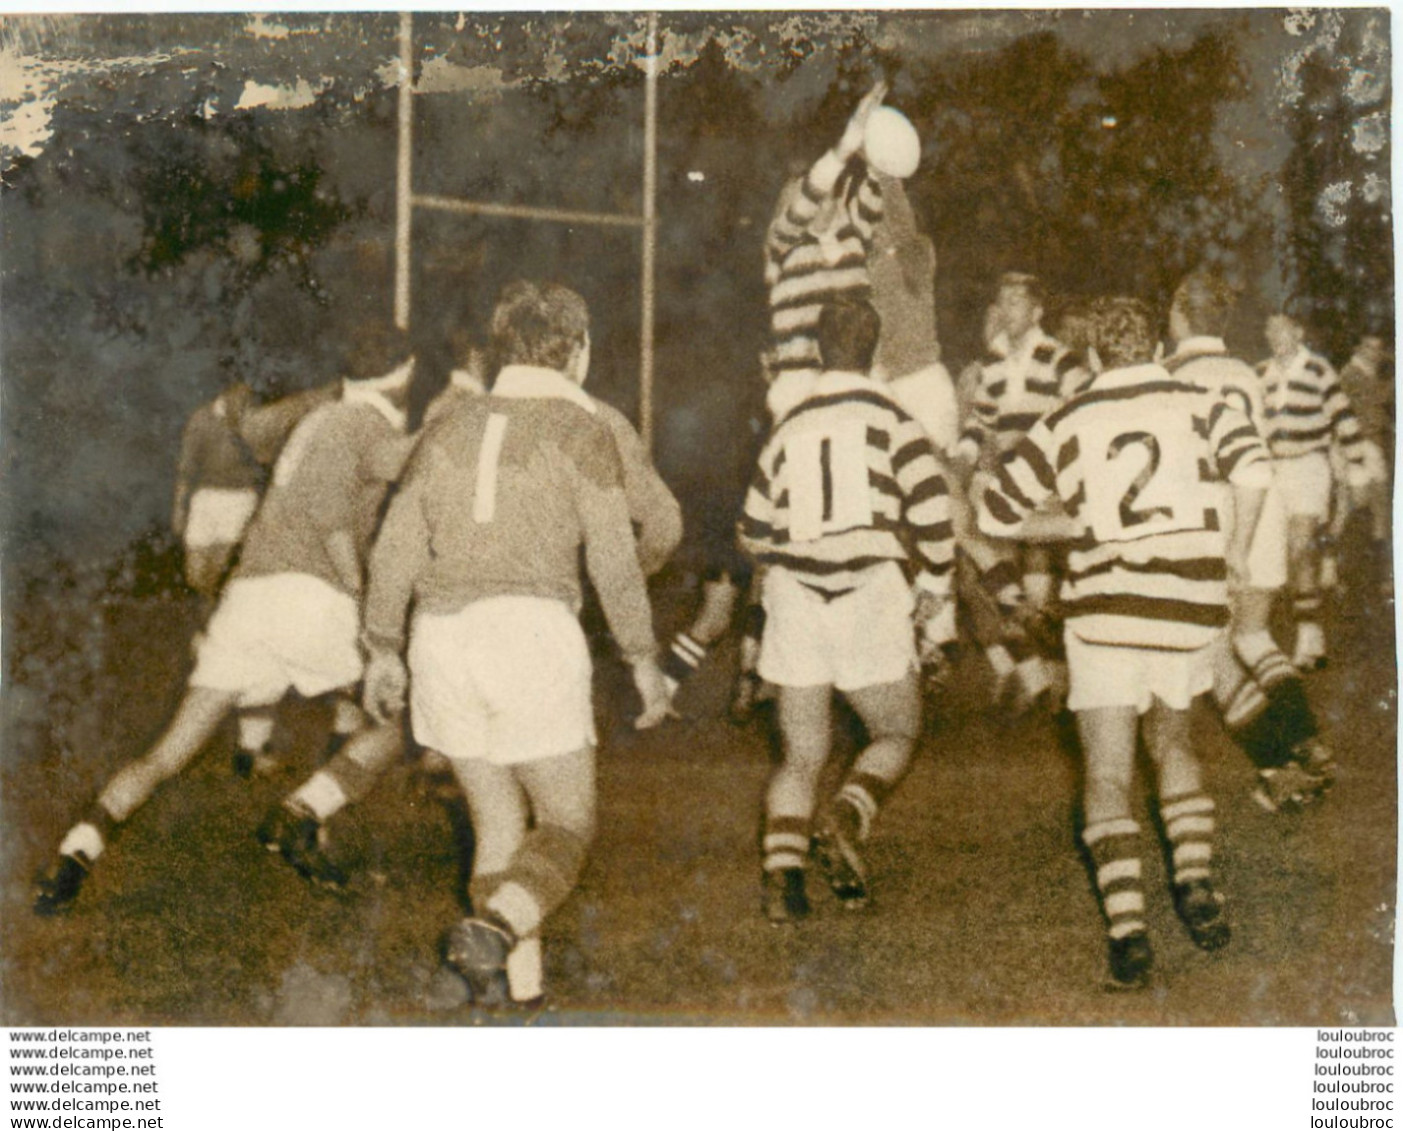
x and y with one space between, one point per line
983 913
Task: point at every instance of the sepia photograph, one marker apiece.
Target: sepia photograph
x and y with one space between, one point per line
687 519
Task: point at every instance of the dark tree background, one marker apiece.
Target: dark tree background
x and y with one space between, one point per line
1338 241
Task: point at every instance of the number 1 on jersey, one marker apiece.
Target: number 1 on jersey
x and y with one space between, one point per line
828 482
488 457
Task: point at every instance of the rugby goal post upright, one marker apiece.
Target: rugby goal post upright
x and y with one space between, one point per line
406 200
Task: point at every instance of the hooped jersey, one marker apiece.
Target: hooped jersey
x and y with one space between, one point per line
848 480
1015 391
1306 407
1136 459
816 251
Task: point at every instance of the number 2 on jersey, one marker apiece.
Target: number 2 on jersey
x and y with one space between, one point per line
1145 482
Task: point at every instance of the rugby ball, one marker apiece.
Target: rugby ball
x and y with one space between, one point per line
890 144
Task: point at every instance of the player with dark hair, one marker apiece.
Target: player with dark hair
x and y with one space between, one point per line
847 492
1133 459
483 540
289 617
1026 375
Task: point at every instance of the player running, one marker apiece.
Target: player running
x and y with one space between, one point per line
1133 459
296 828
1306 408
1259 692
289 617
483 539
846 482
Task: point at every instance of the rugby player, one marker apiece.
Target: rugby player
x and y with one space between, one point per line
1306 409
295 828
483 539
846 481
1145 598
289 616
1260 693
1025 376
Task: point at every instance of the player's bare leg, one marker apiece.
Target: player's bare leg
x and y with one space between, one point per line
521 876
195 721
1112 837
254 756
1303 565
891 712
805 721
1186 813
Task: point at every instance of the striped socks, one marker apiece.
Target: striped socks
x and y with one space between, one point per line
1189 826
785 843
1114 846
864 793
683 657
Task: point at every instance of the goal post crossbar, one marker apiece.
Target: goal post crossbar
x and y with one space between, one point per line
406 200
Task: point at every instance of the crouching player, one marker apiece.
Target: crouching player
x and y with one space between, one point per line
1133 458
845 476
483 538
288 618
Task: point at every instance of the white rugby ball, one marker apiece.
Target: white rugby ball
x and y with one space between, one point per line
891 144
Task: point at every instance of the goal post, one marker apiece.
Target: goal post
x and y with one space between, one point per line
407 200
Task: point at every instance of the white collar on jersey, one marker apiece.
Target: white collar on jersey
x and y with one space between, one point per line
371 391
1128 375
520 382
833 381
1198 344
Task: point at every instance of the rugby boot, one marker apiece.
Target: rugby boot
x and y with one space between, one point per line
477 948
298 839
1200 908
1131 958
1317 760
60 887
784 897
1286 788
835 850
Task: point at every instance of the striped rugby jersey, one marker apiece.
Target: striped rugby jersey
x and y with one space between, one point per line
1306 406
1204 361
817 250
1134 459
1014 391
848 480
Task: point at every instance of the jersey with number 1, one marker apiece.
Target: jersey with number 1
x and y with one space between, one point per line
498 499
849 480
1137 460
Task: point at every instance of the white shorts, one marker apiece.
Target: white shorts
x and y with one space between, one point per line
1104 675
1267 559
1305 484
862 639
218 516
272 633
506 680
